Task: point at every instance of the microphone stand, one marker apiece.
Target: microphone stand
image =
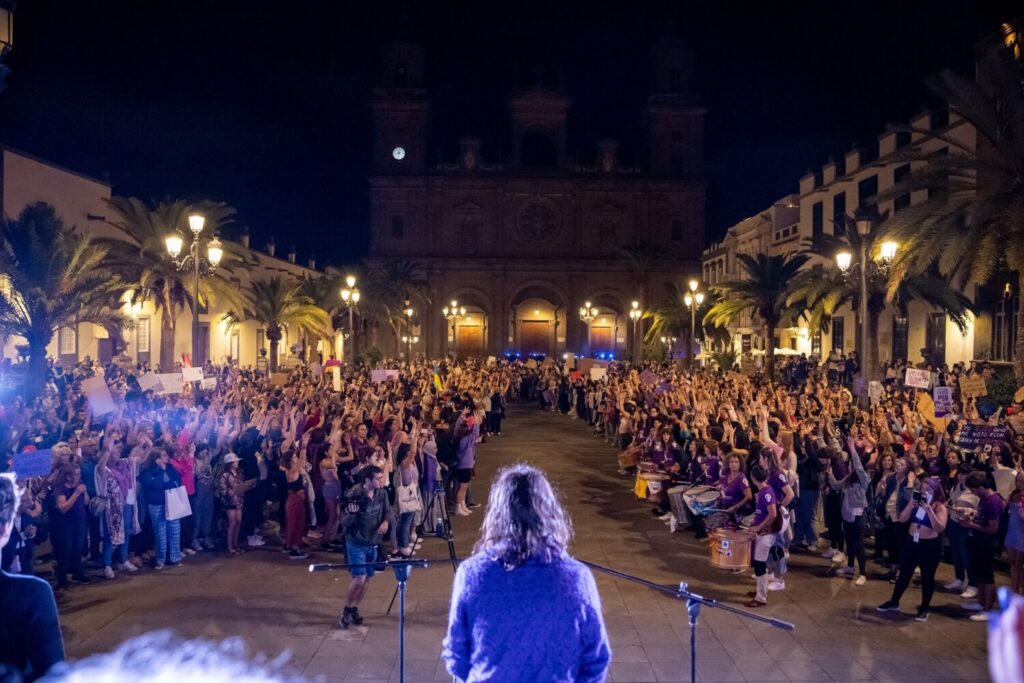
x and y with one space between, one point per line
693 605
402 568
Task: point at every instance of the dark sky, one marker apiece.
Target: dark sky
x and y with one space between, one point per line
265 105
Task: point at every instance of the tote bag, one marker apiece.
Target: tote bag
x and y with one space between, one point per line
409 498
176 502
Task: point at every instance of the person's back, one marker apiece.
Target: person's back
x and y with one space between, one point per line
552 631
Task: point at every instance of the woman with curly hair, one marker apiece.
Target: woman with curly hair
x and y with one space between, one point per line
522 608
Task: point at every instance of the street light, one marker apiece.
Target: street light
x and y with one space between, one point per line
199 265
844 260
635 314
452 314
693 300
588 314
408 311
350 297
669 342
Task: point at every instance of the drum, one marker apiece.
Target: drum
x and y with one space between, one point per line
629 458
692 492
655 484
679 509
648 467
716 520
731 549
706 502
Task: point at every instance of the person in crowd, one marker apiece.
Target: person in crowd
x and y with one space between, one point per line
767 523
983 535
854 502
467 431
366 519
157 478
30 637
520 591
293 465
69 525
1014 541
230 489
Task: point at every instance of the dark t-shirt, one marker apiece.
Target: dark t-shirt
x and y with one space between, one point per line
988 509
30 637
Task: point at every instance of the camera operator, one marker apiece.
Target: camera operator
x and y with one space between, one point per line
365 521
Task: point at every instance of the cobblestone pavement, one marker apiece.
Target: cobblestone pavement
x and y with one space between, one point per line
275 605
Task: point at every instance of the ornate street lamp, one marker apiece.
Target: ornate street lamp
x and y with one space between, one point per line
350 297
635 314
693 300
588 314
199 265
452 313
408 311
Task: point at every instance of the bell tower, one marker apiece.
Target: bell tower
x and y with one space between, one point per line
400 111
674 117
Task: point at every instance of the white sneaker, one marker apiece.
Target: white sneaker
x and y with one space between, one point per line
673 525
128 567
829 554
860 580
845 571
665 517
256 540
108 573
969 592
197 545
954 585
973 607
777 585
188 551
838 558
979 616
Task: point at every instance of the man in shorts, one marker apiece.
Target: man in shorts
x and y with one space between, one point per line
365 522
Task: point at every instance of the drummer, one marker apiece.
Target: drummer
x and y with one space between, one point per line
765 527
735 487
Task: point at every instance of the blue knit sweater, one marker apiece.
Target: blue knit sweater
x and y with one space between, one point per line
538 622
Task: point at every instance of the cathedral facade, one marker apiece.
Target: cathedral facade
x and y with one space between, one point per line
522 242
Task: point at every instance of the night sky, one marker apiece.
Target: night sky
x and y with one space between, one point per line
265 105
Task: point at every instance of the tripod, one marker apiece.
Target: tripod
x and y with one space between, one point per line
693 604
436 508
402 569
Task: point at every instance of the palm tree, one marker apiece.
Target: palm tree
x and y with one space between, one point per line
764 292
139 256
820 292
642 258
54 278
671 317
275 303
972 226
388 286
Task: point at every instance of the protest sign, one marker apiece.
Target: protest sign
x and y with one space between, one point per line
392 374
335 377
209 383
943 398
380 375
570 360
860 386
192 374
875 391
491 360
747 365
33 464
150 380
926 409
973 386
920 379
316 369
98 394
598 373
278 379
170 383
974 436
648 377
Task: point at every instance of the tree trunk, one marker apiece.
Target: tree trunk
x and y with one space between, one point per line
35 379
769 354
274 337
1018 345
166 340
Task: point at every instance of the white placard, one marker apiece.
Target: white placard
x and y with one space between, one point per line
336 377
98 394
192 374
918 378
316 369
597 373
491 360
170 383
379 375
209 383
150 380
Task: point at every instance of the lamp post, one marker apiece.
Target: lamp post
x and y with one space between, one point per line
408 311
693 300
199 264
844 260
350 296
452 314
588 314
635 314
669 342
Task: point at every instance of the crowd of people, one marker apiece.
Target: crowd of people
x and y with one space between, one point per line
878 473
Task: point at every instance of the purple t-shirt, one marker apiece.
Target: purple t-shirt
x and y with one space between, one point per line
732 492
778 480
988 509
765 499
697 470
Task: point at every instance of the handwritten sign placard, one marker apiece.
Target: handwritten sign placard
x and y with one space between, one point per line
278 379
170 383
150 380
192 374
973 386
747 366
209 383
920 379
98 394
974 436
597 373
335 378
34 464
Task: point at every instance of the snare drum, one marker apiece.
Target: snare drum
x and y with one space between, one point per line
706 502
679 509
731 549
629 458
655 484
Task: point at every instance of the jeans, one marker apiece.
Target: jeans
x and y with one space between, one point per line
854 534
71 531
203 512
405 521
807 506
165 534
108 544
925 554
957 536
